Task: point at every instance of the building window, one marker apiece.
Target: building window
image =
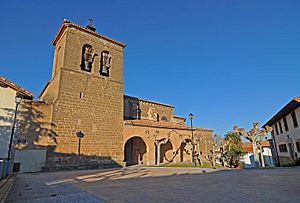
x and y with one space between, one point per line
286 127
298 146
276 129
105 63
280 127
282 148
294 119
157 117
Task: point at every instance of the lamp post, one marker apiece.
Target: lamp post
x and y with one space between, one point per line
80 135
18 100
191 116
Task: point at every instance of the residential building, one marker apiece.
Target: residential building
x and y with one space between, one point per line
8 110
286 132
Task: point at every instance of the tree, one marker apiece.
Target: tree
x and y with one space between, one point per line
233 149
255 136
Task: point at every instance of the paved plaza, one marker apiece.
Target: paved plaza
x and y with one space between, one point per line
139 184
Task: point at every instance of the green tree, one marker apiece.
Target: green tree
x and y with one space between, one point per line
233 149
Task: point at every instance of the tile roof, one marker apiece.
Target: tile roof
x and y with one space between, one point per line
247 146
161 124
149 101
66 23
291 106
22 91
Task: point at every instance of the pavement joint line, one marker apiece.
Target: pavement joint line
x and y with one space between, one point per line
7 182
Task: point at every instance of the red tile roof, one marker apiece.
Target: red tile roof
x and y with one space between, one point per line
247 146
161 124
149 101
22 91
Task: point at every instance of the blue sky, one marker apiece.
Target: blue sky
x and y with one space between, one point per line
228 62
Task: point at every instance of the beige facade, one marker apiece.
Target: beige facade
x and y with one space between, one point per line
141 139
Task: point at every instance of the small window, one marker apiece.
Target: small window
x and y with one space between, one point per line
294 117
280 127
157 117
282 148
286 127
105 63
298 146
276 129
16 167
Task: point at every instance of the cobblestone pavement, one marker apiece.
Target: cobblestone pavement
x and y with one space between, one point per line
144 185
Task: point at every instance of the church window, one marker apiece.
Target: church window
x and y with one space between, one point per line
157 117
87 58
105 63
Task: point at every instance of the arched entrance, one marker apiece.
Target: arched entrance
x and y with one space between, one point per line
134 150
166 153
185 151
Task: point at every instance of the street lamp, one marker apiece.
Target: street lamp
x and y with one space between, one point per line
191 116
80 135
18 100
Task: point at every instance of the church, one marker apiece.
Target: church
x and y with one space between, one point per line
83 120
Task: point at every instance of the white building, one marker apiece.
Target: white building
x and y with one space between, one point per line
8 93
286 132
248 158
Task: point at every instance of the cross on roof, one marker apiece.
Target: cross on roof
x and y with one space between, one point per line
91 20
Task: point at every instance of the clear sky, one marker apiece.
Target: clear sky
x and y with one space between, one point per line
227 61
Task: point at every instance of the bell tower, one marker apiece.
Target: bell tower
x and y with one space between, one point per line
86 93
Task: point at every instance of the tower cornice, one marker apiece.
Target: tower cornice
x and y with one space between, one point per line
68 24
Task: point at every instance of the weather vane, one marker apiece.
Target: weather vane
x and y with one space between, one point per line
91 20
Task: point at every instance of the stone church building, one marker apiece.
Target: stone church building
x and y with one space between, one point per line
83 119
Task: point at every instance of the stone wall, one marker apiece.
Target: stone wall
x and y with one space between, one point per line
154 111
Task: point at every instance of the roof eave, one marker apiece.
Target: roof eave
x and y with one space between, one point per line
67 23
291 106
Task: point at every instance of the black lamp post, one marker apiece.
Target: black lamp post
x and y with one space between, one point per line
18 100
191 116
80 135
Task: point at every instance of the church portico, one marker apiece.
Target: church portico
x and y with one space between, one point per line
166 142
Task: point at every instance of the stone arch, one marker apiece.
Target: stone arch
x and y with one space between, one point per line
167 152
185 151
134 150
